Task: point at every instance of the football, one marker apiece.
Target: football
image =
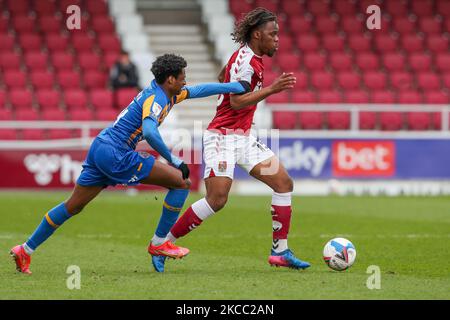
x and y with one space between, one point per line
339 254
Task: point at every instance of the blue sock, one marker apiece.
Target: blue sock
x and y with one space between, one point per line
51 221
173 203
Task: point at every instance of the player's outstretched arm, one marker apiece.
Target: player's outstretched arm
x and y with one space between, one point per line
210 89
283 82
154 139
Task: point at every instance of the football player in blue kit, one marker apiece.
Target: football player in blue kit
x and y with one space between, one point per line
112 160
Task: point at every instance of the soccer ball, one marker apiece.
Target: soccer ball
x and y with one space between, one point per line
339 254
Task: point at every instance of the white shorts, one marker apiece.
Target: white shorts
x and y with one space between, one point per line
222 152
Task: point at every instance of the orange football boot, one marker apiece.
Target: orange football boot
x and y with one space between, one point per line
21 258
168 249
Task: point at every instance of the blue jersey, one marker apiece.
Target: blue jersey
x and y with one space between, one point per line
150 102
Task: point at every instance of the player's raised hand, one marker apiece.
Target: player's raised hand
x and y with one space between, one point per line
283 82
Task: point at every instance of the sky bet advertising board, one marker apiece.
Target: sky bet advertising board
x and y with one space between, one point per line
364 159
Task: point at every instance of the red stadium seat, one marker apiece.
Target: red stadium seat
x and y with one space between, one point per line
443 62
281 97
288 62
326 24
418 120
97 7
359 43
338 120
397 8
391 121
422 7
302 80
63 4
412 43
428 81
27 115
409 97
446 79
356 96
42 79
44 7
292 8
81 115
375 80
300 24
60 134
33 134
322 80
341 61
56 42
367 120
103 24
303 97
284 120
89 61
386 43
443 8
50 24
82 42
332 42
404 25
75 99
420 62
437 43
124 97
312 120
6 114
109 43
15 79
69 79
330 96
240 7
401 80
18 7
30 42
349 80
110 58
8 134
344 7
436 97
430 25
36 60
2 98
48 99
286 43
102 99
352 25
107 115
367 61
53 115
318 7
21 99
394 61
24 23
9 60
95 79
382 96
62 61
271 5
314 61
7 42
307 43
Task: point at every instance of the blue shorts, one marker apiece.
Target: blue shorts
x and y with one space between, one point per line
108 165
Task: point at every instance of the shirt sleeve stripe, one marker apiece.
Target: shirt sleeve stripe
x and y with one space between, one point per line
147 105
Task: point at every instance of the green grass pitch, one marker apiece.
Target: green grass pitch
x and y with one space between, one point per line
407 237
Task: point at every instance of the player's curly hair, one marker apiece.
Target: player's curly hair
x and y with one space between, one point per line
167 65
252 20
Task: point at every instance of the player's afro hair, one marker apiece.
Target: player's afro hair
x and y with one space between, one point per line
252 20
167 65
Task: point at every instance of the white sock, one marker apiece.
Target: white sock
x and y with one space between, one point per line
202 209
157 240
27 249
280 199
171 238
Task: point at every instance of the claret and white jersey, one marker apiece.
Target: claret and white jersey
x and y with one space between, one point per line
228 141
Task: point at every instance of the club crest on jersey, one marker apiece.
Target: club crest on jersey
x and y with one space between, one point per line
156 109
222 166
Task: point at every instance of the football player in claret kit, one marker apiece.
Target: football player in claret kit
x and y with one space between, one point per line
228 141
112 159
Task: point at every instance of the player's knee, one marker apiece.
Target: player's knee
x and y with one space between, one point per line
74 209
217 201
283 185
183 184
